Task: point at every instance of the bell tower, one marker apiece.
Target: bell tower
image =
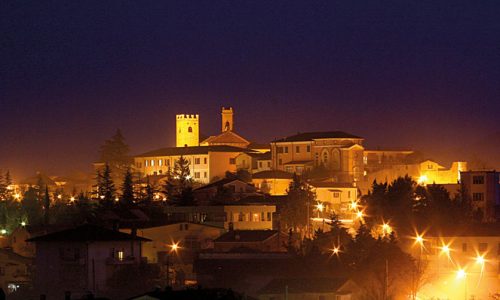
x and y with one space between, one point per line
187 129
227 119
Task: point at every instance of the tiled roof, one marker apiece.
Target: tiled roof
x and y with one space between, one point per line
86 233
245 236
272 174
309 136
218 183
303 285
326 184
171 151
229 137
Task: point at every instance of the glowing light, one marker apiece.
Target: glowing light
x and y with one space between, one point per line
17 196
423 179
117 199
359 215
354 205
59 196
157 196
164 199
320 206
336 250
188 177
23 223
3 231
461 274
174 247
72 199
102 197
480 260
445 249
419 239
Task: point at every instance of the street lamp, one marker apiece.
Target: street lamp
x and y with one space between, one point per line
461 274
173 248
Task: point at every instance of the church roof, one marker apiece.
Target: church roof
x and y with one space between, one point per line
309 136
227 137
172 151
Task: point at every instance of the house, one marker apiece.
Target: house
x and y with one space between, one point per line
14 271
189 238
308 288
231 188
254 162
335 197
256 240
484 191
272 182
82 259
236 216
460 258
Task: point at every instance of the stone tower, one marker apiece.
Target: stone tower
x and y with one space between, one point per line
227 119
187 130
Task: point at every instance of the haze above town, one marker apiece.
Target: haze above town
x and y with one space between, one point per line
409 75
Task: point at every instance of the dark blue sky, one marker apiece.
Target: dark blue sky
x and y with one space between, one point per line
422 74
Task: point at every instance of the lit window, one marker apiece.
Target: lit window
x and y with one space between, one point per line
255 217
146 163
269 216
167 162
120 255
152 163
197 161
365 160
160 162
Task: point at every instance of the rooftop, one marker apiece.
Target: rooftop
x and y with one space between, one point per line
172 151
86 233
304 285
245 236
272 174
309 136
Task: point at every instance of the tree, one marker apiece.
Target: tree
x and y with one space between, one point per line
182 173
106 186
296 209
46 206
179 188
128 189
115 153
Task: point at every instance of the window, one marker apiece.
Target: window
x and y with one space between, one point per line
197 161
483 247
240 217
308 148
286 149
232 161
336 194
349 194
255 217
477 196
190 129
269 217
145 163
260 165
297 149
262 216
120 255
167 162
152 163
279 149
160 162
289 169
204 174
429 167
464 247
197 175
268 164
365 160
477 179
205 160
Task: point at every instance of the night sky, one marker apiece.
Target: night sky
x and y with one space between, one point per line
419 74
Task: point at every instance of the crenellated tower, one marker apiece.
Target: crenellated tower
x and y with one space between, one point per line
187 130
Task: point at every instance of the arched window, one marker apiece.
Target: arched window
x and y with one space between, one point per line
226 126
190 129
336 159
325 157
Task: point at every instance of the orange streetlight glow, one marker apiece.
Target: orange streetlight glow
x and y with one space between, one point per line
174 247
445 249
480 260
359 215
320 206
461 274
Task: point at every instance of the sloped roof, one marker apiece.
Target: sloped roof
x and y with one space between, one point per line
245 236
220 182
260 155
304 285
329 184
229 137
171 151
272 174
309 136
86 233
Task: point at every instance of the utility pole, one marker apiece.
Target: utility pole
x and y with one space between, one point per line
386 287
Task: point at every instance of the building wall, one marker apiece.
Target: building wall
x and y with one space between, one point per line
220 163
275 243
272 186
337 199
187 130
249 217
441 269
484 190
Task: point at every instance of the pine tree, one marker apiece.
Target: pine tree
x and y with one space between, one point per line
107 191
115 153
169 187
297 208
128 189
182 172
3 188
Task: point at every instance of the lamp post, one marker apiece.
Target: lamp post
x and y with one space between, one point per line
173 248
461 274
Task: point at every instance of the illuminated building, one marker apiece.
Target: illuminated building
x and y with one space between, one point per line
187 128
254 162
339 152
457 257
257 240
272 182
484 191
336 197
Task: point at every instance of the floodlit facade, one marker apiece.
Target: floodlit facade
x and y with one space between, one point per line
335 197
187 128
272 182
339 152
460 265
